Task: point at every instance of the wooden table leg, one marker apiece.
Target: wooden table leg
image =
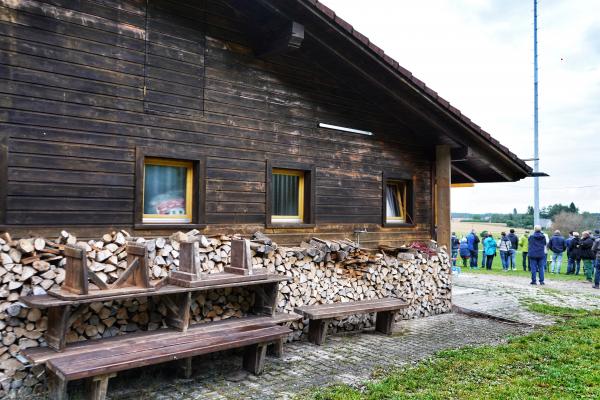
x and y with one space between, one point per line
254 358
276 348
99 386
57 387
384 321
265 301
185 367
317 330
178 310
56 334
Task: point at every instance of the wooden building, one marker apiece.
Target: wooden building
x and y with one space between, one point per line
236 116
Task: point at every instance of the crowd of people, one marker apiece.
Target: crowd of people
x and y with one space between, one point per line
539 252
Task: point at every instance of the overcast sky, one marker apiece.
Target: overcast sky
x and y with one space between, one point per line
478 54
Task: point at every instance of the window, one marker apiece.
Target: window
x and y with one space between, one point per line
168 186
287 196
397 201
290 194
395 198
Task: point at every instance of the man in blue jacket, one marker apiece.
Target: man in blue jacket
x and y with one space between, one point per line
557 246
473 242
537 255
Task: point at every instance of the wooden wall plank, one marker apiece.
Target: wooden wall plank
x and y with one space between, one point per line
72 78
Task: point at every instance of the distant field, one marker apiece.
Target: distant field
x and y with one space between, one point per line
462 228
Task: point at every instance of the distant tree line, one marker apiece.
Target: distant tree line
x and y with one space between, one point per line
564 217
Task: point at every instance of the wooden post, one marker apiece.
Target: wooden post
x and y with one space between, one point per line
57 387
254 358
98 386
185 367
140 277
56 333
178 310
76 272
384 321
188 263
442 201
241 258
265 301
276 348
317 330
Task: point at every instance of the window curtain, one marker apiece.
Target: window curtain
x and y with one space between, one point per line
164 189
285 195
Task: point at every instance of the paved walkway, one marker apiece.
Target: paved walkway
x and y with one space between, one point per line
505 295
354 358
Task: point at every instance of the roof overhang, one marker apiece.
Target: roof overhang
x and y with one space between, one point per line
332 42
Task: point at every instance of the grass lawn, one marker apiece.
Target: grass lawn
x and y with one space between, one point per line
557 362
497 269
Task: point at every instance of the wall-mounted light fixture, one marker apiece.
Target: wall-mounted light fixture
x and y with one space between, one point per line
344 129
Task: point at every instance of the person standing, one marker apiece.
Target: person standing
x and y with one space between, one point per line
524 246
484 235
576 252
464 252
570 261
596 250
489 249
514 246
547 252
455 243
557 246
537 255
504 245
587 255
473 242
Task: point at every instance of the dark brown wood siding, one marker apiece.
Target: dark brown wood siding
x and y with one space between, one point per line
83 84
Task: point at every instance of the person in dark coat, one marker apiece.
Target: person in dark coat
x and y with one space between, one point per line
575 252
570 261
455 243
463 250
537 255
514 246
587 255
596 250
473 242
557 246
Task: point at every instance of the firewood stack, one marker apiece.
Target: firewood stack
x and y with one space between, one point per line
320 271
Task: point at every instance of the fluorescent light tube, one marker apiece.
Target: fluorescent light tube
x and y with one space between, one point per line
344 129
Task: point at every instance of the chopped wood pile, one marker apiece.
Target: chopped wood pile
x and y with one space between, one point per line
321 271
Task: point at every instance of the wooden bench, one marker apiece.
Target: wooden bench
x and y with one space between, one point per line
99 360
320 315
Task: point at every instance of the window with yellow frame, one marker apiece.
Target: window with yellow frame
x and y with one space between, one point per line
396 201
168 191
287 202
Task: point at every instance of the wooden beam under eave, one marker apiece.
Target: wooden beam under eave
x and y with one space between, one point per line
284 39
463 173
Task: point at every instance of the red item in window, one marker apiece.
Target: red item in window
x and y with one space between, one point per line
170 207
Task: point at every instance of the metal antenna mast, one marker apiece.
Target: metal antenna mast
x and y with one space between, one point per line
536 150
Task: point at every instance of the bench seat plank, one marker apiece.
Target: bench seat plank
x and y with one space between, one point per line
155 351
326 311
40 355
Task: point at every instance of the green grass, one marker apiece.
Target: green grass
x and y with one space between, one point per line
557 362
497 269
